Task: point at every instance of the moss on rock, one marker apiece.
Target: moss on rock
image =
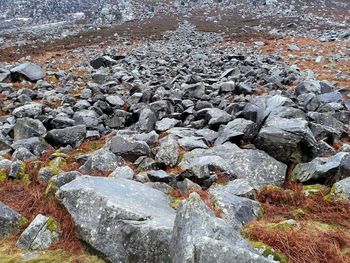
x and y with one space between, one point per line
269 252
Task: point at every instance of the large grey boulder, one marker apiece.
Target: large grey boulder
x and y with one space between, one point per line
72 136
323 170
286 139
27 71
254 165
236 130
36 145
27 128
32 110
10 220
341 189
128 148
101 161
40 234
236 210
199 236
124 220
89 118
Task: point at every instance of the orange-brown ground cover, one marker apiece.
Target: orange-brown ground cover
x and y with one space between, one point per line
323 234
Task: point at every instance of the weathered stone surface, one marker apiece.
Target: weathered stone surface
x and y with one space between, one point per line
40 234
323 170
122 219
72 136
199 236
28 71
32 110
237 211
254 165
10 220
27 128
341 189
168 152
286 139
101 161
128 148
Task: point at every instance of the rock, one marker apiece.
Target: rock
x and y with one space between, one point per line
10 220
253 165
293 47
120 218
23 154
147 120
115 101
341 189
101 161
239 187
128 148
35 144
104 61
286 139
190 143
198 236
40 234
168 152
27 128
123 172
237 211
89 118
323 170
186 186
215 117
27 71
236 130
18 171
72 136
31 110
166 124
159 176
119 119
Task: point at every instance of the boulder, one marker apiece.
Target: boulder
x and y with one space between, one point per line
286 139
40 234
27 71
341 189
253 165
128 148
168 152
10 220
27 128
101 161
236 210
198 236
323 169
31 110
72 136
123 220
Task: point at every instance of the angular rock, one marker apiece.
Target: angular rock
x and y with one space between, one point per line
341 189
101 161
27 128
199 236
286 139
27 71
10 220
31 110
122 219
72 136
128 148
237 211
166 124
254 165
40 234
323 170
168 152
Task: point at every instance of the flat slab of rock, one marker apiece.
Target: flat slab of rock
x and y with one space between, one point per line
323 169
28 71
40 234
122 219
254 165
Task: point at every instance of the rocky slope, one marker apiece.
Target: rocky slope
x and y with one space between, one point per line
192 147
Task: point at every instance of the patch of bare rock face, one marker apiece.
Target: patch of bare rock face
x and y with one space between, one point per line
179 114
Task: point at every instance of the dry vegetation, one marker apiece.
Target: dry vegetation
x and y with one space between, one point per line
322 234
